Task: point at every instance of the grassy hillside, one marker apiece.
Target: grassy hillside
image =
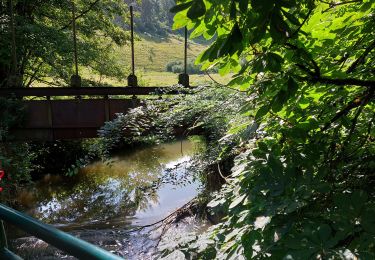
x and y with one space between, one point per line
153 54
151 58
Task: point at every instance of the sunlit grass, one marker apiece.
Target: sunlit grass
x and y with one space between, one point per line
151 58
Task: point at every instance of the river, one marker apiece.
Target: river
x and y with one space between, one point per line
108 199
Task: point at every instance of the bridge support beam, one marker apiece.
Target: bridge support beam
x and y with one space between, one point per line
75 81
183 79
132 80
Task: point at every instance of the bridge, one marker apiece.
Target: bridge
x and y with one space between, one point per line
78 117
55 117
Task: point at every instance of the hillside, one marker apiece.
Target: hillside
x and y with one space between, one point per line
153 54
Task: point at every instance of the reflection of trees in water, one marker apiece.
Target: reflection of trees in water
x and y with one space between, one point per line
92 200
104 192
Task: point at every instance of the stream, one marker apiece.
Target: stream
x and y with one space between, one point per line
108 199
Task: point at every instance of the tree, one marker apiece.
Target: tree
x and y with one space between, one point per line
44 43
304 188
154 17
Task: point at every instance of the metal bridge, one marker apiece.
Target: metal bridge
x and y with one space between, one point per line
78 117
52 118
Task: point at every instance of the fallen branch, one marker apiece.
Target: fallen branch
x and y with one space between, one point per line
171 218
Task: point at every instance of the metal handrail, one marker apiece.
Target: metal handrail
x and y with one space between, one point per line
61 240
89 91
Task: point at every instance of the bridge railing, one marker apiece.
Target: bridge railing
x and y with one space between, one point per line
85 91
59 239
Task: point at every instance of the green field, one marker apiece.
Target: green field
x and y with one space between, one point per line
153 54
151 57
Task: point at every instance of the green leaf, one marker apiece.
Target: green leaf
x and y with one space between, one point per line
196 10
358 199
233 10
368 220
180 7
263 146
291 18
324 232
262 112
278 28
243 4
279 100
262 5
274 62
237 201
248 240
233 42
257 34
292 87
287 3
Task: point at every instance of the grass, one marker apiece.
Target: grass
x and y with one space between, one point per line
152 55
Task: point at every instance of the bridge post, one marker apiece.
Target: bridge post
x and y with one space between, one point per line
132 78
183 78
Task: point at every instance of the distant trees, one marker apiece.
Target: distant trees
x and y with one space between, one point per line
154 17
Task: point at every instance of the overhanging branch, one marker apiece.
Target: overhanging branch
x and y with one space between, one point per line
342 82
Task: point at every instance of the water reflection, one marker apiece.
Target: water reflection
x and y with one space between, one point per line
116 193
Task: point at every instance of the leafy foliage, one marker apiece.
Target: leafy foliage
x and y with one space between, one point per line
304 186
154 17
15 158
177 66
44 43
11 114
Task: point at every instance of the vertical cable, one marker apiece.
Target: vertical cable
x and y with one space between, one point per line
132 38
75 37
185 58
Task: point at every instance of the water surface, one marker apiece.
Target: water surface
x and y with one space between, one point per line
107 199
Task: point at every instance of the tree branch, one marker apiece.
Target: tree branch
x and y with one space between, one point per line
343 82
359 101
91 6
302 24
334 4
361 58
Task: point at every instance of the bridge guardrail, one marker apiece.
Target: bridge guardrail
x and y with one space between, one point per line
85 91
61 240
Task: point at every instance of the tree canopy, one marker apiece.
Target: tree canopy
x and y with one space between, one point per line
304 186
43 38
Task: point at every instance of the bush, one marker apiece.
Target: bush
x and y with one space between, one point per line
11 115
178 67
15 157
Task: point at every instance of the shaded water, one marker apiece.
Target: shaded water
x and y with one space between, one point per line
107 199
